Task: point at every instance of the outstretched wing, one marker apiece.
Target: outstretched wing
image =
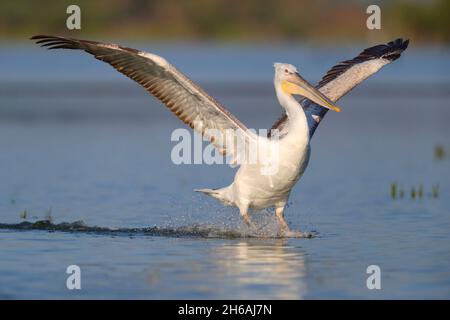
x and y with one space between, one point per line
343 77
188 101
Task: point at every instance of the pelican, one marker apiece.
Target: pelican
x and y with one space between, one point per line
252 188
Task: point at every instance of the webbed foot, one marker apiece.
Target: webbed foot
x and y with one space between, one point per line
296 234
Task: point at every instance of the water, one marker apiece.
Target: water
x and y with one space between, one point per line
85 148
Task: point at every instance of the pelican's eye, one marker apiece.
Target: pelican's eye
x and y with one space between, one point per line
286 70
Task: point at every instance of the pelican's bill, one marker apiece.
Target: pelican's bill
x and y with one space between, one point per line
300 86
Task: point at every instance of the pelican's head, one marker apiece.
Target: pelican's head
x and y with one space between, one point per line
290 82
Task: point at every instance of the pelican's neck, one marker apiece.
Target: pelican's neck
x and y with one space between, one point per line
297 118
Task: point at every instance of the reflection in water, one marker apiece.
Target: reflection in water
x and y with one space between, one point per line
262 269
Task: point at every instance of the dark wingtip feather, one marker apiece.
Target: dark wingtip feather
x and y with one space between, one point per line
54 42
38 36
44 38
390 51
393 49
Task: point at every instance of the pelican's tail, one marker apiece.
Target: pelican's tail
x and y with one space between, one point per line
210 192
221 194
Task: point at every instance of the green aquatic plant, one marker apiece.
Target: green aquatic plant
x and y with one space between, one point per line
439 152
393 190
413 192
416 191
420 191
23 214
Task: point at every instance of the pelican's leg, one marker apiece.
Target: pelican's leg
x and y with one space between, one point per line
243 209
279 212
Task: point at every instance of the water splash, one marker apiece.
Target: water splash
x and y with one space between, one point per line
195 230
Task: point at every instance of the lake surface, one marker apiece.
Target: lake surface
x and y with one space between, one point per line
85 148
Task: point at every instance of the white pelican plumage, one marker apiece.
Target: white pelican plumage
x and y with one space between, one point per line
251 188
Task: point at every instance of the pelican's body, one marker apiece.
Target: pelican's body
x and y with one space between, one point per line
251 189
254 188
282 156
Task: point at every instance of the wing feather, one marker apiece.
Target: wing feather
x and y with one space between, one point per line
185 99
343 77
